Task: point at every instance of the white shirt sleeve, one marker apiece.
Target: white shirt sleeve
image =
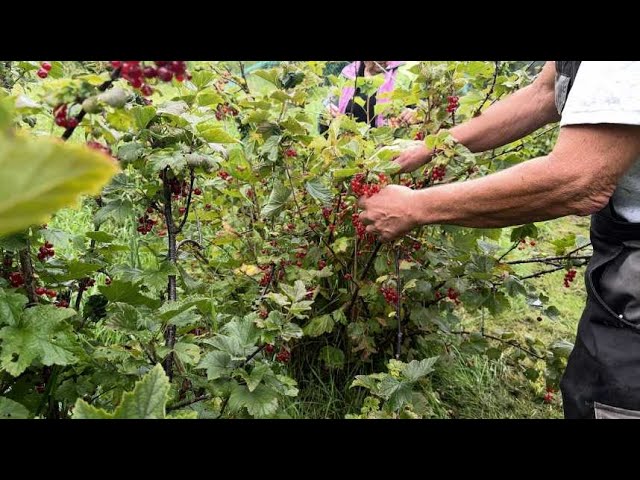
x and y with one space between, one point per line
604 92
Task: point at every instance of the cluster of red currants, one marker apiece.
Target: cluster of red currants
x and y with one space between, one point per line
138 74
452 103
390 295
43 71
46 251
569 277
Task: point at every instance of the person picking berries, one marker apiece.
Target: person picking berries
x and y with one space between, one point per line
593 169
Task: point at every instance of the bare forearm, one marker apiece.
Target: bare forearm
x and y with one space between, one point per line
504 122
540 189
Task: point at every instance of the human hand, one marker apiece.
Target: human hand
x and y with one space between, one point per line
389 213
408 116
413 158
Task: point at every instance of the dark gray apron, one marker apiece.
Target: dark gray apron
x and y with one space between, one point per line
602 378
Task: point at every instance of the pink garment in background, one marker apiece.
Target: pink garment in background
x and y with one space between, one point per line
351 70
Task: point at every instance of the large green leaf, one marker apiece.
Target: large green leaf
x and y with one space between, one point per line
76 269
262 402
11 307
417 369
148 400
143 115
319 325
319 191
217 135
127 292
40 176
10 409
277 200
41 334
218 364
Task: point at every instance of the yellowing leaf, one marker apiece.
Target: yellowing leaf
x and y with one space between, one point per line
40 176
248 270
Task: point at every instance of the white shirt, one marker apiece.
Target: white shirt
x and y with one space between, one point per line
609 92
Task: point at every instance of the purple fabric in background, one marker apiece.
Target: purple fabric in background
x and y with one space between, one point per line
350 72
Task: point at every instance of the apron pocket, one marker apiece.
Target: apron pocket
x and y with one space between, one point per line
607 412
615 286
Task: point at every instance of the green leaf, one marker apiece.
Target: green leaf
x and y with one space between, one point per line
319 325
11 307
147 400
158 278
397 393
127 292
561 348
40 176
218 365
217 135
82 410
41 334
171 309
519 233
417 369
10 409
256 376
208 97
277 200
174 107
319 191
124 316
100 237
290 330
341 245
202 78
552 312
332 357
532 374
119 210
76 269
130 152
345 172
143 115
188 353
262 402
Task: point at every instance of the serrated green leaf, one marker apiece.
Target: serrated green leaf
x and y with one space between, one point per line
119 209
217 364
262 402
83 411
345 172
130 152
76 269
209 97
319 191
217 135
319 325
100 237
143 115
415 369
188 353
277 200
41 334
11 307
148 398
40 176
257 374
519 233
10 409
127 292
